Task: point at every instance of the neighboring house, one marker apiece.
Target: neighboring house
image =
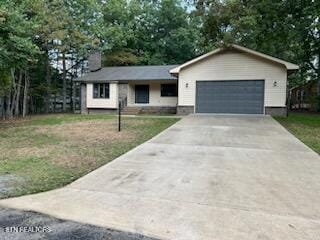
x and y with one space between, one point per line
233 80
304 97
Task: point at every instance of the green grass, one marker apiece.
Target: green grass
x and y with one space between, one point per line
35 175
304 126
50 151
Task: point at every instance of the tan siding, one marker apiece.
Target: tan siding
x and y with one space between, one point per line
234 66
155 98
102 103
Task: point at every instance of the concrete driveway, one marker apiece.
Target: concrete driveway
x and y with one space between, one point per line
207 177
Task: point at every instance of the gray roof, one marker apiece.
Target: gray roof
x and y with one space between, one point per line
127 73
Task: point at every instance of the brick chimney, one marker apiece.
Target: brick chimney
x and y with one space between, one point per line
94 61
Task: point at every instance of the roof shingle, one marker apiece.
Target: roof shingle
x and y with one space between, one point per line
127 73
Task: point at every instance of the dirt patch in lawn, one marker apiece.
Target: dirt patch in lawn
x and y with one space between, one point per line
87 132
7 181
26 151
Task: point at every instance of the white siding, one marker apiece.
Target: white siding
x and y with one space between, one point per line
155 98
110 102
234 66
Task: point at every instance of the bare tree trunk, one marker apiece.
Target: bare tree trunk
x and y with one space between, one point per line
2 113
318 94
9 97
318 84
73 96
48 81
55 103
64 83
31 104
74 65
17 97
25 95
13 93
8 112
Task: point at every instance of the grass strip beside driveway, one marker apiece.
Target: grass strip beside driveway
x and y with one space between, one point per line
304 126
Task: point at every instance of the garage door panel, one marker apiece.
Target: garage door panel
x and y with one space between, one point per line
239 96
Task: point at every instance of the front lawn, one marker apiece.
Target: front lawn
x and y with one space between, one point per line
47 152
304 126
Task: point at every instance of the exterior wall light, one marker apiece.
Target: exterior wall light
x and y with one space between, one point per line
275 83
187 85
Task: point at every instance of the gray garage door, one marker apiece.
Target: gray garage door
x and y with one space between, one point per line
243 97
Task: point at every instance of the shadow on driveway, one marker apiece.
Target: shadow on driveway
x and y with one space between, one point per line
54 229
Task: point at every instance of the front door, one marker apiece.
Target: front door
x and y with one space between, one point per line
142 94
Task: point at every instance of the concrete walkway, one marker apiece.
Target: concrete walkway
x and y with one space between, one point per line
207 177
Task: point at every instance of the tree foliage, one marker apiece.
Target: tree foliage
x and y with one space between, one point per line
285 29
155 32
16 32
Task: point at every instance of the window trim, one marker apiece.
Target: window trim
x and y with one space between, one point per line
161 90
99 86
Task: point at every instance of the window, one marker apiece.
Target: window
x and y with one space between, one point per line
169 90
101 90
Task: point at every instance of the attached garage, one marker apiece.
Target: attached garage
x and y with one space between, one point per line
234 80
234 96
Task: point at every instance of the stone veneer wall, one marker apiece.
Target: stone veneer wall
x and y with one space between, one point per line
276 111
185 110
101 110
158 109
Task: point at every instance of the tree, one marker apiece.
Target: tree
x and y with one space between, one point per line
67 30
78 33
17 51
153 32
37 39
50 23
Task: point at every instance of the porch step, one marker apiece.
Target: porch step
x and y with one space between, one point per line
131 110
